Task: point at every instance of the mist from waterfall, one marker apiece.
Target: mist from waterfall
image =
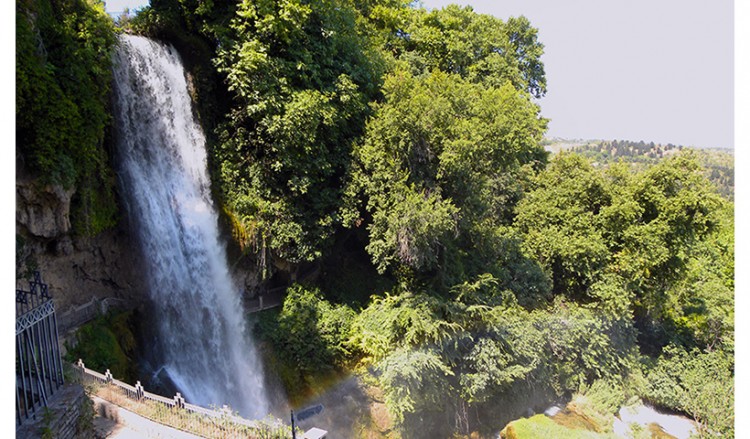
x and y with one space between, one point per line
202 341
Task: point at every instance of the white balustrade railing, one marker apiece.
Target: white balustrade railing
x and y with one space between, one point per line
176 412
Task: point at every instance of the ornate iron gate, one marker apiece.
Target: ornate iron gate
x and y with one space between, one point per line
39 371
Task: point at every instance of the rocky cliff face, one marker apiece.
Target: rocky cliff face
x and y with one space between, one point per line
77 269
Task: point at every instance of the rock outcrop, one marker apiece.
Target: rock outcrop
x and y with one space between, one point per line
77 269
43 211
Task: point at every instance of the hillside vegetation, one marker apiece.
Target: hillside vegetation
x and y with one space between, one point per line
718 164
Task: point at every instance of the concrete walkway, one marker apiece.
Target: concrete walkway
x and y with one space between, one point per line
112 421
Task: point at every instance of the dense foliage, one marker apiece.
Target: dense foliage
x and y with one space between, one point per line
63 75
108 342
478 47
641 268
301 75
310 331
437 167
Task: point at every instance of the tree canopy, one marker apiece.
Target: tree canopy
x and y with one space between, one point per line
305 78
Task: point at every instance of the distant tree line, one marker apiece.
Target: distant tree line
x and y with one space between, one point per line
718 164
609 150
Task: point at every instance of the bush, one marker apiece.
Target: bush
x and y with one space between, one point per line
310 332
415 382
700 384
106 343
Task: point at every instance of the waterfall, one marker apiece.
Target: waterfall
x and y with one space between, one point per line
202 339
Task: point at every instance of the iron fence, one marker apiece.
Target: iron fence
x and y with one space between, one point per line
39 372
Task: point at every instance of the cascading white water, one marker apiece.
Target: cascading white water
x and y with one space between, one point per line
162 167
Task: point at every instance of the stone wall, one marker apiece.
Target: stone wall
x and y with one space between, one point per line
65 417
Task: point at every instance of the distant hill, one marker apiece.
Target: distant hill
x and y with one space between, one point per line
718 163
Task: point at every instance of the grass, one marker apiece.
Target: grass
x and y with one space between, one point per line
541 426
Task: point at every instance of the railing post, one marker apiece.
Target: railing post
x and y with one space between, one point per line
108 376
179 401
80 368
294 433
139 392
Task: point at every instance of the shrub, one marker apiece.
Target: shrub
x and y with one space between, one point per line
700 384
310 332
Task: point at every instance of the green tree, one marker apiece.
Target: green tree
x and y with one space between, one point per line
310 332
478 47
636 243
494 363
558 221
676 214
410 229
698 383
300 75
676 208
402 320
436 164
415 383
701 300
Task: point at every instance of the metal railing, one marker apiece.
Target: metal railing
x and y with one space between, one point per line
39 372
175 412
76 316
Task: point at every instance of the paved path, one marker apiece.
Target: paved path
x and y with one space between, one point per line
115 422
